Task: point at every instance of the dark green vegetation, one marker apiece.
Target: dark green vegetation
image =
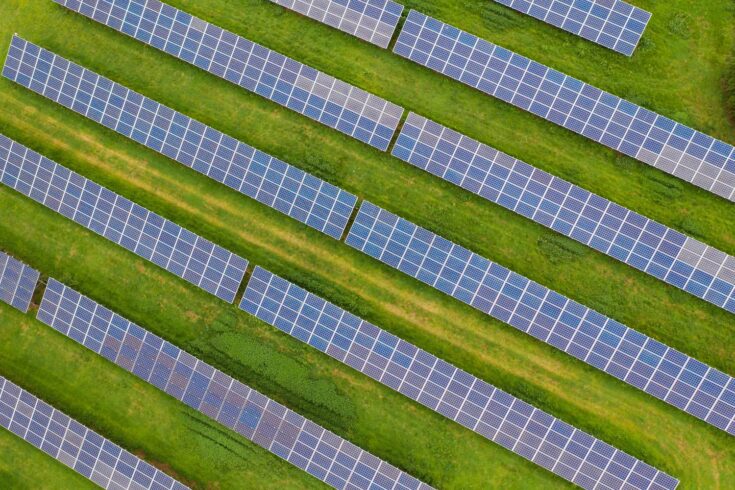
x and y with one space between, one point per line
678 71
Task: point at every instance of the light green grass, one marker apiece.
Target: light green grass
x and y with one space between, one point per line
663 75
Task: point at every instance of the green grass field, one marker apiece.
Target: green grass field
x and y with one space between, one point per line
680 70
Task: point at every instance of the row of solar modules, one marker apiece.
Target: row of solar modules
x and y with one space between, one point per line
76 446
456 394
591 337
17 282
272 75
270 181
220 397
148 235
617 123
570 210
611 23
627 236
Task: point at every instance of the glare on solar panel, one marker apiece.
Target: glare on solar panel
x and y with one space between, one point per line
17 282
614 24
605 118
272 75
270 181
599 341
81 449
614 230
148 235
373 21
456 394
267 423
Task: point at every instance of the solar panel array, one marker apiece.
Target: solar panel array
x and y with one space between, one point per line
626 127
76 446
612 23
373 21
121 221
602 342
269 424
270 181
456 394
568 209
17 282
272 75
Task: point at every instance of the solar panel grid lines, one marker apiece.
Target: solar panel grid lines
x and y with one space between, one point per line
241 167
615 24
287 82
662 252
123 222
263 421
373 21
81 449
436 384
17 282
669 375
600 116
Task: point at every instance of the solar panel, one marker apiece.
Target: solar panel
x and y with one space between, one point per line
599 341
373 21
17 282
265 422
456 394
121 221
256 174
76 446
603 225
617 123
269 74
611 23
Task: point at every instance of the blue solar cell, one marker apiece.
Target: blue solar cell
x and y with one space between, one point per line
287 82
425 378
373 21
190 256
17 281
215 394
75 445
555 319
603 117
593 220
270 181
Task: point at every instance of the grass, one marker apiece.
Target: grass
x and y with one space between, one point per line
679 76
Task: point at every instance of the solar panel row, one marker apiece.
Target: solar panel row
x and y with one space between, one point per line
272 75
256 174
612 23
599 341
121 221
267 423
76 446
568 209
373 21
17 282
626 127
456 394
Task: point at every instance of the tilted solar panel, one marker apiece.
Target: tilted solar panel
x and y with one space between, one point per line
81 449
612 23
266 179
599 341
267 423
148 235
17 282
456 394
272 75
373 21
626 127
605 226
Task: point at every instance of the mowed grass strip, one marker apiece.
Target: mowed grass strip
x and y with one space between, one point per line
506 358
